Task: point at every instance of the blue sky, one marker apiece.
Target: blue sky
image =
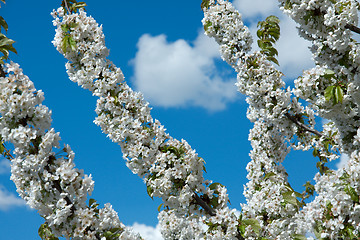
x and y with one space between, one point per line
161 48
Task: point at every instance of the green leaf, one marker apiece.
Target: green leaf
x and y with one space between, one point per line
241 229
274 60
64 44
65 28
6 41
298 237
273 19
254 224
352 193
150 191
260 34
72 43
329 93
45 232
207 25
214 186
205 4
339 94
91 202
214 202
1 148
3 23
5 52
159 207
9 47
269 175
328 74
290 199
80 5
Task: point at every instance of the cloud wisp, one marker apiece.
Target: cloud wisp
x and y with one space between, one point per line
9 200
179 74
183 74
147 232
4 166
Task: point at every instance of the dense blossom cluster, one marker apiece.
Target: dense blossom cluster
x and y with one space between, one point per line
48 180
334 212
270 198
262 83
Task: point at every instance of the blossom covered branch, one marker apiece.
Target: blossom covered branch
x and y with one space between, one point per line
46 180
169 167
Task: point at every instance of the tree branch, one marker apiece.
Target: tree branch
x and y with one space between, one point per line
204 205
352 28
67 7
300 124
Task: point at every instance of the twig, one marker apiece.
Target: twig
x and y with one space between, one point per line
352 28
300 124
203 204
67 7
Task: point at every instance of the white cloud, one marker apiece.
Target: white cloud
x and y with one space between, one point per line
178 74
344 158
173 74
256 8
294 55
9 200
4 166
147 232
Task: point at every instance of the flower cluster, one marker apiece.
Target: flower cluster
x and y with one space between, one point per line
332 88
270 198
46 180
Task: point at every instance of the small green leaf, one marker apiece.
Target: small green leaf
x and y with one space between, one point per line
269 175
254 224
159 207
290 198
329 93
352 193
150 191
65 43
205 4
273 19
214 186
328 74
6 41
72 43
339 94
45 232
91 202
1 148
3 23
207 25
65 28
298 237
9 47
5 52
274 60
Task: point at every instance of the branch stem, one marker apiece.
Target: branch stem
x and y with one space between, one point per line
303 126
352 28
67 7
204 205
